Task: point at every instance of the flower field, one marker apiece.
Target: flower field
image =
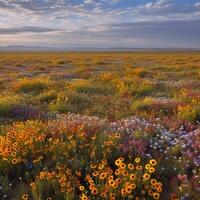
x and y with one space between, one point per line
115 125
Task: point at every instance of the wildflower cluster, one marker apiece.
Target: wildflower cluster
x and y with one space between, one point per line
131 180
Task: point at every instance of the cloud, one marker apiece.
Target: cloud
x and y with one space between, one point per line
100 22
197 5
157 5
170 34
89 1
26 29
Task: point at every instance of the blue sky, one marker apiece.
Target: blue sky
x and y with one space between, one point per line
100 23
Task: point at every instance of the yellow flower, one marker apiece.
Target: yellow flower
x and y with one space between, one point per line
137 160
150 192
146 176
101 167
130 166
151 170
81 188
117 162
84 197
123 193
14 154
14 161
118 180
111 182
117 172
125 173
153 162
102 175
121 159
133 186
128 189
147 166
153 181
122 165
25 196
132 177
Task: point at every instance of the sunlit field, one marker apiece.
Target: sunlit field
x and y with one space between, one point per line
100 126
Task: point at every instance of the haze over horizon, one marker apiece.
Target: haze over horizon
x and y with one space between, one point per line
100 24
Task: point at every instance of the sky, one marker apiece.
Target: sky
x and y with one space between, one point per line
100 23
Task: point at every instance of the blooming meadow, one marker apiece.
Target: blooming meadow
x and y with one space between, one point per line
100 126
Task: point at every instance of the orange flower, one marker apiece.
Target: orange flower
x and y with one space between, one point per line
132 177
103 175
94 191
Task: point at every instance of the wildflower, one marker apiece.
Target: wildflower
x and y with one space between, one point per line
14 161
147 166
125 173
139 167
128 189
117 162
130 166
150 192
103 194
25 196
121 159
137 160
117 172
151 170
102 175
153 162
111 182
14 154
133 186
156 195
95 173
94 191
132 177
123 193
122 165
84 197
146 176
101 167
81 188
153 181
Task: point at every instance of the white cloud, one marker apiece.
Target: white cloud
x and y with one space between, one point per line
157 6
89 1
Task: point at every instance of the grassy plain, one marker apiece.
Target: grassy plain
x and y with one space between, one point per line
104 125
